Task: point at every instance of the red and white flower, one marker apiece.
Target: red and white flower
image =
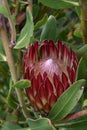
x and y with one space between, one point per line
51 68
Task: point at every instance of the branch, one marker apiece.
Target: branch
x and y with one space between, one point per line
11 65
75 115
30 5
20 17
83 6
12 26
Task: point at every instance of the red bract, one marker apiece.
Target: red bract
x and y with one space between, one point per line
51 68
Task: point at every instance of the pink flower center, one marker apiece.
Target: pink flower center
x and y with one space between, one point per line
50 66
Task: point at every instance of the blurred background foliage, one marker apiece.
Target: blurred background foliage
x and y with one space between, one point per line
49 23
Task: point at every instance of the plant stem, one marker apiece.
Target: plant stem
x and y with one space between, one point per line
12 25
20 17
75 115
11 65
30 5
83 6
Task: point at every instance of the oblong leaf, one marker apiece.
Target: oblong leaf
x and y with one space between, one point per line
67 101
81 72
10 126
3 10
59 4
82 51
49 30
22 84
40 124
26 32
41 22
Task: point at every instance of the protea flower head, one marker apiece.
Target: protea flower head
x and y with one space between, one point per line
51 68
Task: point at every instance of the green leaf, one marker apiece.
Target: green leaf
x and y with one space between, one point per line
3 10
77 31
40 124
85 103
4 71
49 30
10 126
11 101
2 53
2 57
35 11
12 117
22 84
24 129
41 22
81 73
26 32
78 11
59 4
79 124
1 47
67 101
82 52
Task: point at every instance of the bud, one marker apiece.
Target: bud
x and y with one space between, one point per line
51 68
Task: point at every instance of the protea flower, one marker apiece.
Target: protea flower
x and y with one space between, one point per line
51 68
